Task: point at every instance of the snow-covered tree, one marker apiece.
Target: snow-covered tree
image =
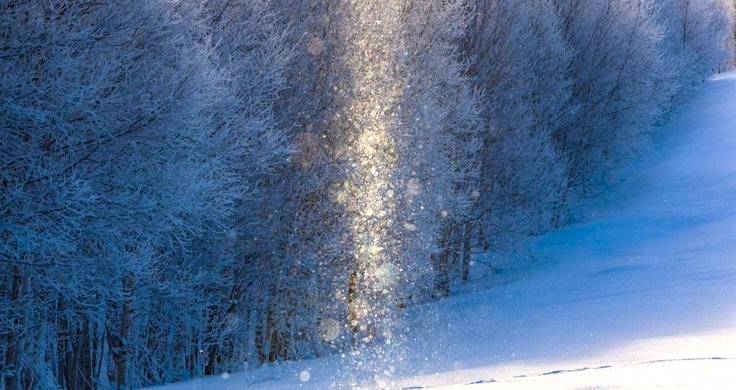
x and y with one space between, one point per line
699 37
127 150
520 60
622 82
439 141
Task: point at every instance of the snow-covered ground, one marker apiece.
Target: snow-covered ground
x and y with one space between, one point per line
641 294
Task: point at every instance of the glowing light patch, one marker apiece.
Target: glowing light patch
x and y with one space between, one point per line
369 193
329 329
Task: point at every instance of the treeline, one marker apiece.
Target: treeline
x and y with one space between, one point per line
187 187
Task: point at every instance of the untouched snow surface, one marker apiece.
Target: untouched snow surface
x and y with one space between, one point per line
641 294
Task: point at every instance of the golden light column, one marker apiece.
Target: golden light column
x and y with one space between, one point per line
373 58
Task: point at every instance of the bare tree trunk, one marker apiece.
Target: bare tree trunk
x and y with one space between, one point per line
252 349
442 276
482 234
558 214
12 382
119 343
467 247
210 367
353 315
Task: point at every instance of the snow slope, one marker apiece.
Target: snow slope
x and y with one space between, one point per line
639 295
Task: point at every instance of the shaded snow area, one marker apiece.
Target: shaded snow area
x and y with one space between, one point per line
641 294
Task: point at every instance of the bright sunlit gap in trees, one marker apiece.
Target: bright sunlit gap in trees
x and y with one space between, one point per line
368 193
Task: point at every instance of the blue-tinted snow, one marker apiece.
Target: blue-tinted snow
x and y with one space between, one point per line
640 294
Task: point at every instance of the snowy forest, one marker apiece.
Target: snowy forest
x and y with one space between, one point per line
192 187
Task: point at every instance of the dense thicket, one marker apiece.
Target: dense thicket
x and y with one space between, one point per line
187 187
